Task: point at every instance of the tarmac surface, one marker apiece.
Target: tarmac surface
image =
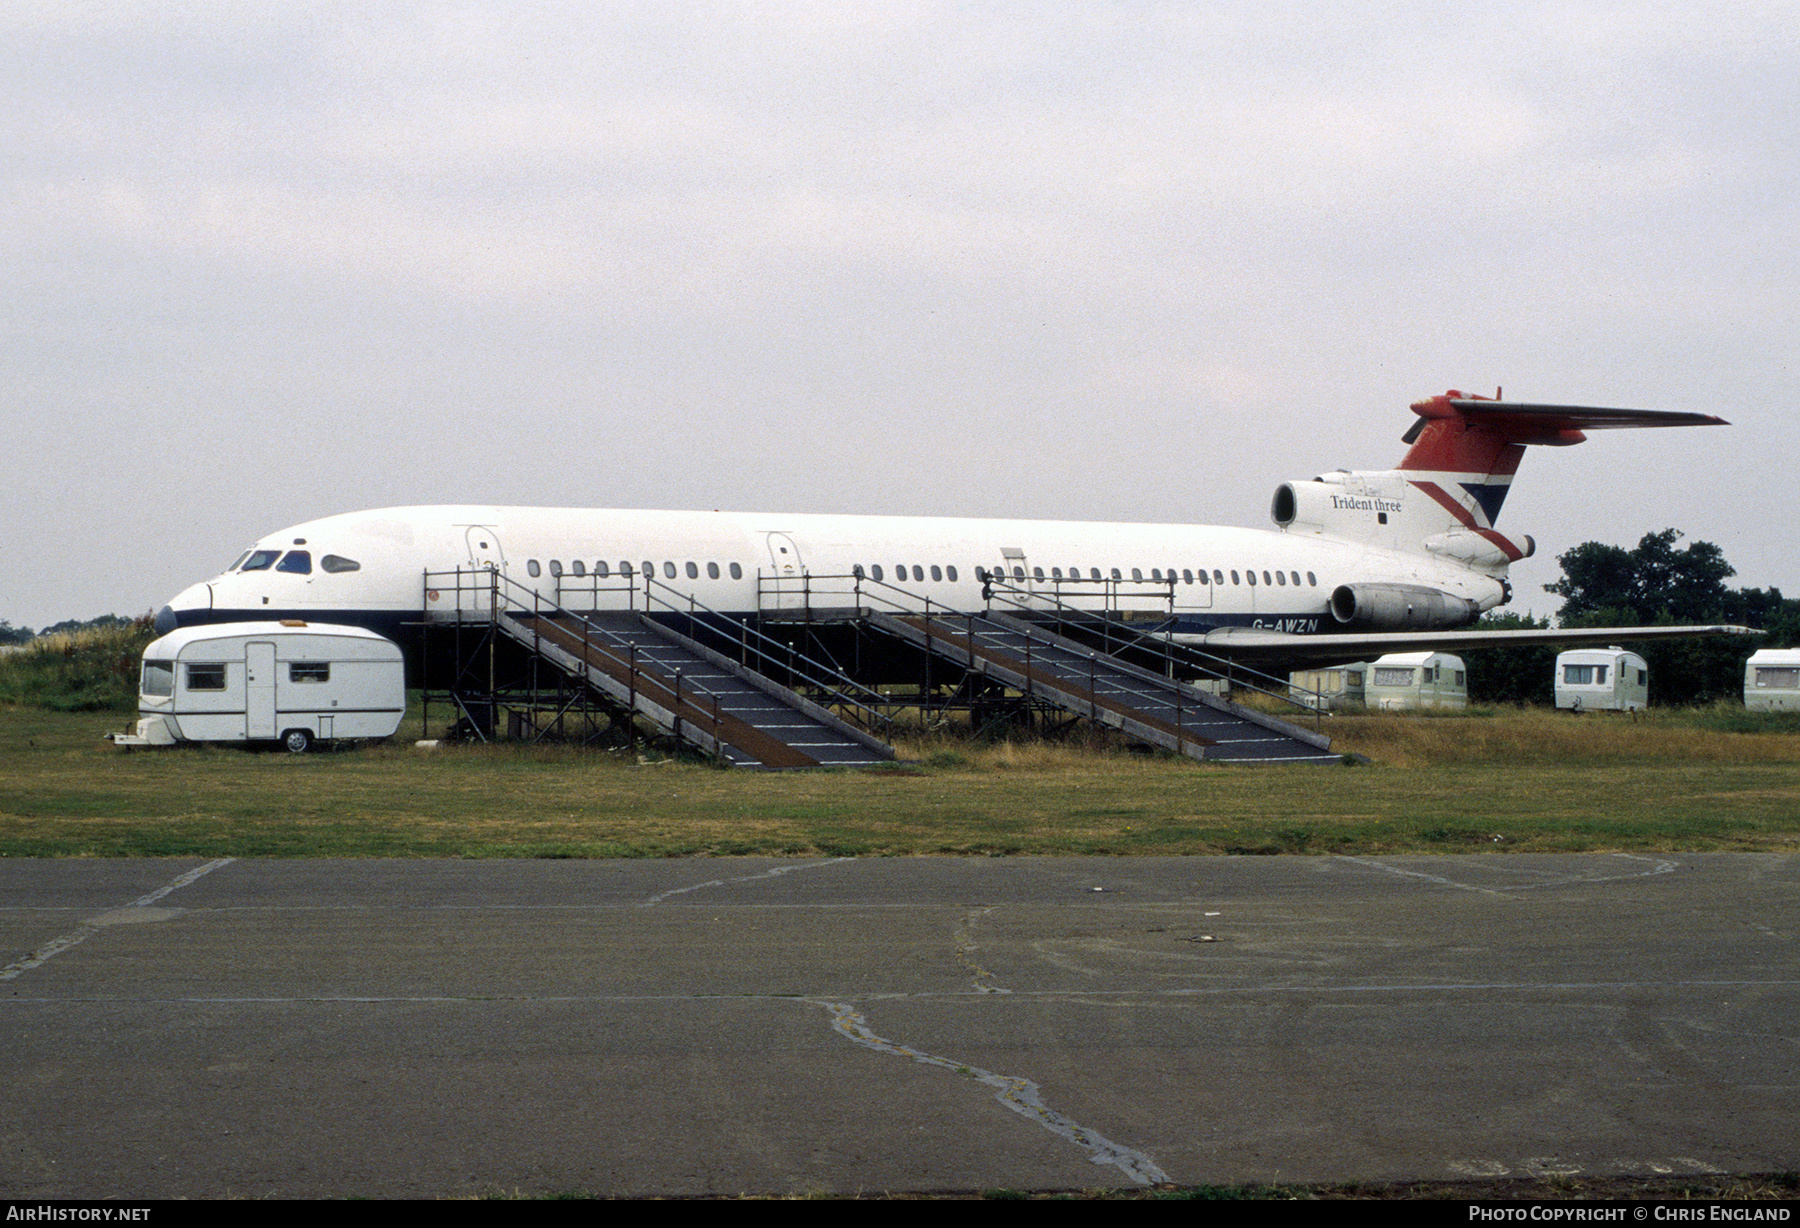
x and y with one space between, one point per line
186 1028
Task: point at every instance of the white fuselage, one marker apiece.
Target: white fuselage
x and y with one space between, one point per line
370 568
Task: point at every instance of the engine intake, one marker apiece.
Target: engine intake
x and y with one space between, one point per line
1400 607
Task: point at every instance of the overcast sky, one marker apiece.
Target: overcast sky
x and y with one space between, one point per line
1122 261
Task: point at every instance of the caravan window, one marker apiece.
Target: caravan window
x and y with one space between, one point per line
1584 675
159 678
297 562
335 563
1390 675
309 671
210 677
1781 677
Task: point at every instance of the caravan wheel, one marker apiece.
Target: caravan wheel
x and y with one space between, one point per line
297 741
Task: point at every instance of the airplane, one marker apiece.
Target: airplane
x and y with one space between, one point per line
1359 563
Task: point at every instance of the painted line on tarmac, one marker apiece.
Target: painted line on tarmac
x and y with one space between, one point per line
777 872
87 929
1020 1095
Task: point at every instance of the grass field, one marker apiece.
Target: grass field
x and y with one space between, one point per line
1505 781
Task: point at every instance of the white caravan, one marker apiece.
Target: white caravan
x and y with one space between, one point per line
1331 688
285 682
1772 679
1402 681
1602 680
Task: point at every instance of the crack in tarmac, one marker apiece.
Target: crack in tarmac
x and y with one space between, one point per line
87 929
1020 1095
777 872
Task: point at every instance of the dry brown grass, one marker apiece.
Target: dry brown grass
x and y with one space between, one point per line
1540 736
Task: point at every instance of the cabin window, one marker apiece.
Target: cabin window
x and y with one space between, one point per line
918 572
937 573
261 560
1156 574
668 570
309 671
875 571
856 569
1390 675
601 569
1018 572
1187 576
556 568
1266 579
1116 574
1281 578
737 572
1248 575
578 567
693 571
335 563
1056 573
1312 579
1219 577
950 574
296 562
1234 577
159 678
1296 576
210 677
649 569
712 571
532 569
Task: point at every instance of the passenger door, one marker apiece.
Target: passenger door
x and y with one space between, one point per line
785 587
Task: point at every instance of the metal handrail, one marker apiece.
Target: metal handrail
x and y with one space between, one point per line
623 651
1030 600
841 689
1232 673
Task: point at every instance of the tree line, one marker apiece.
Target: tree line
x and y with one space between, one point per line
1656 584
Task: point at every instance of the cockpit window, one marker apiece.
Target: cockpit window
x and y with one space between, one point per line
335 563
261 560
297 561
240 561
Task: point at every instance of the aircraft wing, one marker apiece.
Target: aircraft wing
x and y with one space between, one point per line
1280 649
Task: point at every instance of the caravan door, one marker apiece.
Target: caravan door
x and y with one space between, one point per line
259 690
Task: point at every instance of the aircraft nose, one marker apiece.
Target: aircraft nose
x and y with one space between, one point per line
195 597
